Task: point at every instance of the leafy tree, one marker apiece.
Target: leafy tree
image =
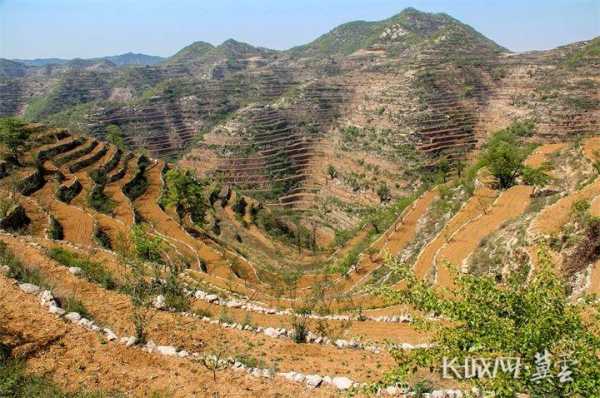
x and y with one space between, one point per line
13 136
114 135
186 193
519 318
505 161
505 153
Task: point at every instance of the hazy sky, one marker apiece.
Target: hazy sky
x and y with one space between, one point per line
90 28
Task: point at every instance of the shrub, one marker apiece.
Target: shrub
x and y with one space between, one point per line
299 325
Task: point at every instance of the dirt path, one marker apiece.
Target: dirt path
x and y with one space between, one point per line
75 358
509 205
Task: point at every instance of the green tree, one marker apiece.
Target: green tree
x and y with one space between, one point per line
13 135
505 161
521 317
114 135
186 193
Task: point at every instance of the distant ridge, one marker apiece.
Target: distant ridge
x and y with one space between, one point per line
119 60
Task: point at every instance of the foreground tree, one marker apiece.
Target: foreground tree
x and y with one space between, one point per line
534 319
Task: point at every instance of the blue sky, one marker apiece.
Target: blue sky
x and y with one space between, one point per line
90 28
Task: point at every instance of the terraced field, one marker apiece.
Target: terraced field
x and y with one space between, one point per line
237 221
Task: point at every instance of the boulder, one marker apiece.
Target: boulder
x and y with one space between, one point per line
75 271
29 288
4 269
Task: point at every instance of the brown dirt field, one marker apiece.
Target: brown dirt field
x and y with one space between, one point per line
77 224
509 205
114 310
392 241
590 146
540 155
75 359
553 217
481 199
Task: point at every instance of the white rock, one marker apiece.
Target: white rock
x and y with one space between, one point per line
75 270
183 354
46 297
150 346
73 316
314 381
86 323
393 391
53 309
342 343
288 376
159 302
4 269
131 341
299 378
342 383
271 332
29 288
110 335
167 350
211 298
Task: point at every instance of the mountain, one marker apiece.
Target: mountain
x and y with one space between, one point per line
408 27
118 60
12 69
205 53
42 61
134 59
189 53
